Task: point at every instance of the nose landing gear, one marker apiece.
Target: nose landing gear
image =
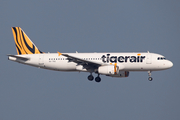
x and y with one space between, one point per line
149 74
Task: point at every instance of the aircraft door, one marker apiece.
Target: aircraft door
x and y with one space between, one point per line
149 59
41 60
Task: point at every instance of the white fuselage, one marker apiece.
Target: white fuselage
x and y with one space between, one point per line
125 61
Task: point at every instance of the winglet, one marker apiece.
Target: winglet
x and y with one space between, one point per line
59 53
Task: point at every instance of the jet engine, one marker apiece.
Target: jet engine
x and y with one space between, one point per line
113 71
108 70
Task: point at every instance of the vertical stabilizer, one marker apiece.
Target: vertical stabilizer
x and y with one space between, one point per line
23 43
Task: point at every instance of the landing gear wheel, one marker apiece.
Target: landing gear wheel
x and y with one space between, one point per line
150 78
98 79
90 78
149 74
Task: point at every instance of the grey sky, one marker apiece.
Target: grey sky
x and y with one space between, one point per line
28 93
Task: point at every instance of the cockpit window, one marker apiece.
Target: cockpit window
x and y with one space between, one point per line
161 58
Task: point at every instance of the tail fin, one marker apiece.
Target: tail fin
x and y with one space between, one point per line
23 44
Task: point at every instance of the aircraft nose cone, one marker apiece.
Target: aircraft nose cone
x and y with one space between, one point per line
169 64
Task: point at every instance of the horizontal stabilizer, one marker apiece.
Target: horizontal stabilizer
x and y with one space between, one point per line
15 57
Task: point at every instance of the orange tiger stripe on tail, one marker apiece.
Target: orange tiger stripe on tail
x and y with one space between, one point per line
23 43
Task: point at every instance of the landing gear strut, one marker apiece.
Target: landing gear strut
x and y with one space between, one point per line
149 74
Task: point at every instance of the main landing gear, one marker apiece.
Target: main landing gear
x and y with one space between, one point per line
97 79
149 74
90 77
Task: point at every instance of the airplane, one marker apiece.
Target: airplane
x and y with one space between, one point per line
109 64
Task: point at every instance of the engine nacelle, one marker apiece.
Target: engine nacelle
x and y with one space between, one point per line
108 70
121 74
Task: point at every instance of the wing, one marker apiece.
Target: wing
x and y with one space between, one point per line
85 63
